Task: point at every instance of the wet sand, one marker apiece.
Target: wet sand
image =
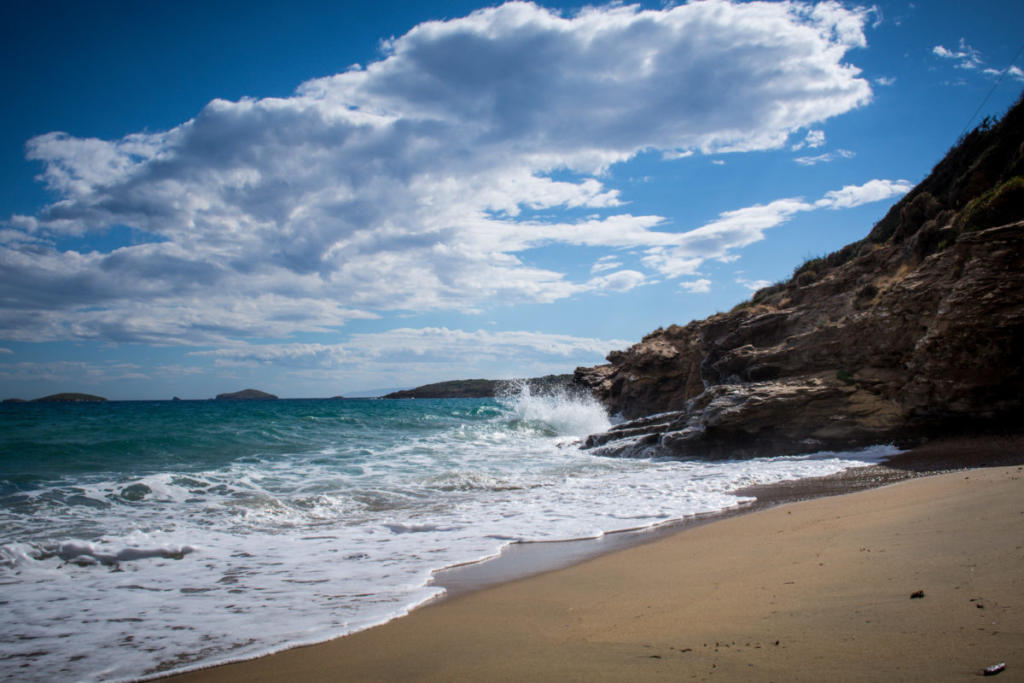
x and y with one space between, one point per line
818 589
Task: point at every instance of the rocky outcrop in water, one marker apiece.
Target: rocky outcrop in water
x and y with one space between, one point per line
246 395
917 330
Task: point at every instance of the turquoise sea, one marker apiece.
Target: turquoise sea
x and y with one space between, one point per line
138 538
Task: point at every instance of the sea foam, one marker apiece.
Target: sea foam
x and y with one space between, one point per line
239 544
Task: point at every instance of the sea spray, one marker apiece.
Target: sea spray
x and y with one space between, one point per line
558 409
141 538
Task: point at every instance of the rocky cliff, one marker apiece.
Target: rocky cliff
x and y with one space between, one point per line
916 330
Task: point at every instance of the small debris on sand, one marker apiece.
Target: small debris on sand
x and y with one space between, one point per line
995 669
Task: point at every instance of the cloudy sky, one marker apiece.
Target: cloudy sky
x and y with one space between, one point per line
320 198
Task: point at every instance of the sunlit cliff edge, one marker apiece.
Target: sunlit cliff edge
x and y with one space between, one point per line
915 331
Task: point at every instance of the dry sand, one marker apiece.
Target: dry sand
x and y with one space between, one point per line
807 591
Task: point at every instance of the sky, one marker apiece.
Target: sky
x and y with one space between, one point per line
331 198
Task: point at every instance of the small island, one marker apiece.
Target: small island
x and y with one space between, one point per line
69 397
483 388
246 395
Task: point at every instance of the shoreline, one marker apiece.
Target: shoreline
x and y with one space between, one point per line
523 560
521 564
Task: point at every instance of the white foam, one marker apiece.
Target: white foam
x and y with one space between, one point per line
193 569
564 413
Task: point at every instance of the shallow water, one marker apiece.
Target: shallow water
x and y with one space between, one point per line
145 537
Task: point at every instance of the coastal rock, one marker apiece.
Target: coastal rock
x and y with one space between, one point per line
246 395
915 331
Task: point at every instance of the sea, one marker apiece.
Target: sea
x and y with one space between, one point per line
139 538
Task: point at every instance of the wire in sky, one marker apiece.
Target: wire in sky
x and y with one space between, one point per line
992 90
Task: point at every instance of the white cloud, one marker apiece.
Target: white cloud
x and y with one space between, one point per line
871 191
5 351
70 373
605 263
408 346
813 140
701 286
885 81
825 158
1012 71
400 185
753 285
965 56
621 281
684 253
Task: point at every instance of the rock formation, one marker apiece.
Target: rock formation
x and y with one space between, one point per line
917 330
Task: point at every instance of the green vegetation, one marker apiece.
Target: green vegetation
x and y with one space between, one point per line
987 157
1000 205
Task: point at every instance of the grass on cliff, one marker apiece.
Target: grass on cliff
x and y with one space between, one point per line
978 184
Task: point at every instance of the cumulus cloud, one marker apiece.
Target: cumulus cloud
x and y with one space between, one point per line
402 184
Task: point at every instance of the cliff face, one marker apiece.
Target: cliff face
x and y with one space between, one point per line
916 330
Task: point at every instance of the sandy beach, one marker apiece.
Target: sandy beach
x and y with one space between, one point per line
813 590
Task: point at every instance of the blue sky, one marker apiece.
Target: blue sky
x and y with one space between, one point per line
318 198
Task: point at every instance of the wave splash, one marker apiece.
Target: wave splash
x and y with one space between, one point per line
563 412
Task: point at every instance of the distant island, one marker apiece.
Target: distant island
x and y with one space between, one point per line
70 398
246 395
483 388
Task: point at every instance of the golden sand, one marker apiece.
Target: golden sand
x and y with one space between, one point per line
811 591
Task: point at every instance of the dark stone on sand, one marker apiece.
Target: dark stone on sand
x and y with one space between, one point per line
246 395
917 594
